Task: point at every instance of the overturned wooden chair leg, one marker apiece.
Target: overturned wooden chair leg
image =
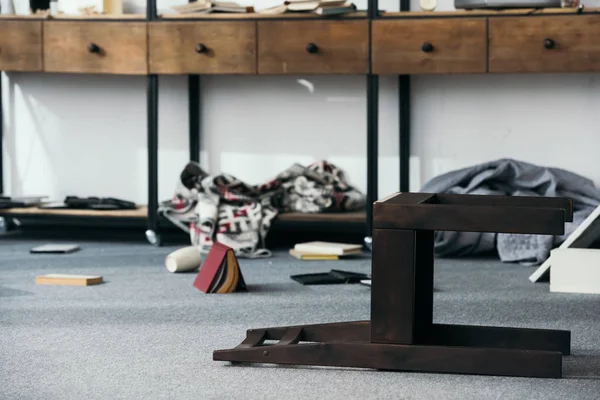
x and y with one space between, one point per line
401 335
413 358
346 331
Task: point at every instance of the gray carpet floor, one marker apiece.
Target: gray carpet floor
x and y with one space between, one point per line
148 334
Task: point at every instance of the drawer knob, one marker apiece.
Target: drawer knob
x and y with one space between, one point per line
201 48
312 48
427 47
93 48
549 43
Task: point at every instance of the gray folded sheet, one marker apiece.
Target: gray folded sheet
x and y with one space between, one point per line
513 178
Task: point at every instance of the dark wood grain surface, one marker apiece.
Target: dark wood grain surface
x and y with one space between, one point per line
498 337
408 198
393 310
563 203
354 331
466 218
465 360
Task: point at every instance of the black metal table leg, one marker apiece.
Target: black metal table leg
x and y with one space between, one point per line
372 146
152 233
194 116
404 128
372 132
404 123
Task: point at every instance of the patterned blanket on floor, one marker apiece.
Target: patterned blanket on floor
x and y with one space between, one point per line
223 208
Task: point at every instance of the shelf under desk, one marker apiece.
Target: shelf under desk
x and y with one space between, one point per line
139 212
351 221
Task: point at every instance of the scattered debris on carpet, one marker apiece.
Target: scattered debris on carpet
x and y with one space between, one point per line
186 259
225 209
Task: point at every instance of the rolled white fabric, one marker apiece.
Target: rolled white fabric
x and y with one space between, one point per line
183 260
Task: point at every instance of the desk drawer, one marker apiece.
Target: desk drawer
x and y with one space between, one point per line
95 47
429 46
568 43
20 46
313 47
205 47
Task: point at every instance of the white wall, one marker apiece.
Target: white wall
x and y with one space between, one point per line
86 135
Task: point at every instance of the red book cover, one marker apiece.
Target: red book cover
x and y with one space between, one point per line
210 267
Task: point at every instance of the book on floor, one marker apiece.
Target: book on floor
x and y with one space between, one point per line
328 248
68 279
55 249
312 257
220 272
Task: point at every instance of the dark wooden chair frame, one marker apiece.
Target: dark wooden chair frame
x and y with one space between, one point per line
401 334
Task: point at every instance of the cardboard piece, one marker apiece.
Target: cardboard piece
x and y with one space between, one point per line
68 279
582 237
575 271
220 272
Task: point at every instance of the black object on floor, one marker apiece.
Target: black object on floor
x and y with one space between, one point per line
98 203
7 203
332 277
19 201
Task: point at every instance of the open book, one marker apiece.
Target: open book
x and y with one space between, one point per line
320 7
212 7
220 272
